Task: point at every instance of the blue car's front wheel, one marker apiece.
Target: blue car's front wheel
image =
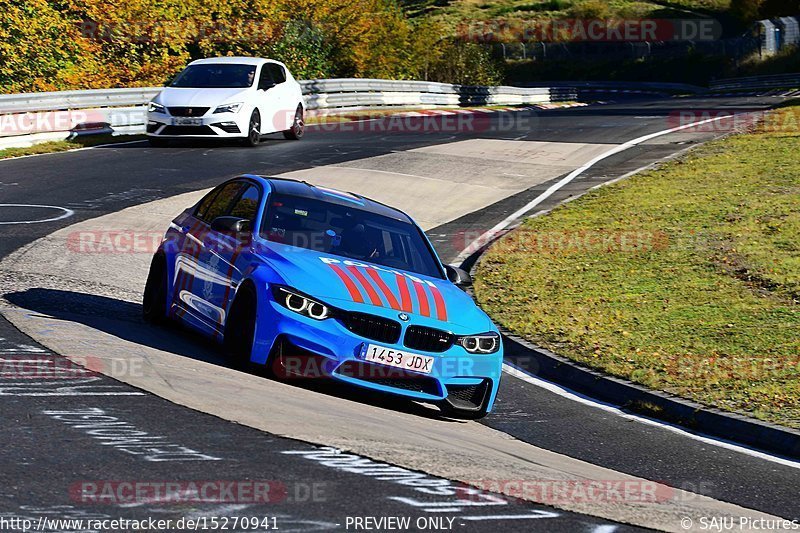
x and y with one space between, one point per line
240 328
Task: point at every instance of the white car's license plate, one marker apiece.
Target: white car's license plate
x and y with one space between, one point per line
187 121
398 359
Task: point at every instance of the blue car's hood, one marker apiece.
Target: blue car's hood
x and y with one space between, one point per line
372 288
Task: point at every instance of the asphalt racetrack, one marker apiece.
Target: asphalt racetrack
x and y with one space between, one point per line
328 456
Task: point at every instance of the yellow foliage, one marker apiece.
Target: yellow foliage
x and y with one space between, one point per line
78 44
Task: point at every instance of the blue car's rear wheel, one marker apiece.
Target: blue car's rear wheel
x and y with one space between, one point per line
154 301
240 328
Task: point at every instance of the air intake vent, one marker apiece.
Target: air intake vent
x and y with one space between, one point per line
187 130
389 377
187 111
467 396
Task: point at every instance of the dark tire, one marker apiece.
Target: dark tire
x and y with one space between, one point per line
157 142
154 301
240 328
254 130
298 129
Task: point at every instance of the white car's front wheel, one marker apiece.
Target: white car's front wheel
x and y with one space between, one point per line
254 130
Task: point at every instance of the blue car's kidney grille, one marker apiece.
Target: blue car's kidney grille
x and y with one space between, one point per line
427 339
372 327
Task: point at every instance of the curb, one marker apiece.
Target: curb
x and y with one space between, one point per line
444 111
652 403
626 395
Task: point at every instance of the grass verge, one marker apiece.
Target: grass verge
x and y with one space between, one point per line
63 146
685 278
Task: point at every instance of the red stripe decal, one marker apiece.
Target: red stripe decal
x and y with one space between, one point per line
441 308
384 288
373 295
355 294
422 297
405 296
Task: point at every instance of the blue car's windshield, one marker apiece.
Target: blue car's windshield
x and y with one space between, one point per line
216 76
348 232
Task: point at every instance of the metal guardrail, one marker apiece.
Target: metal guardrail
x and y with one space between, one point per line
122 111
63 100
625 86
777 81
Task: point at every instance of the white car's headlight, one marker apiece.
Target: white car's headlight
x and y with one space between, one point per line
153 107
228 108
299 303
484 343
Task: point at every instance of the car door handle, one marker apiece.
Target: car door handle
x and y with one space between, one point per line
195 239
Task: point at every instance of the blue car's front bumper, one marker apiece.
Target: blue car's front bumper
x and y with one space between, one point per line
295 345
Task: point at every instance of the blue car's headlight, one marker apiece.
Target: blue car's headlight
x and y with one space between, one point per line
300 303
153 107
484 343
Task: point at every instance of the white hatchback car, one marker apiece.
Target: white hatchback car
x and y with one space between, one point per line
228 97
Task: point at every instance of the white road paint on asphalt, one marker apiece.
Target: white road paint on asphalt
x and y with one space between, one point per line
604 529
66 213
108 430
478 243
564 392
88 386
528 516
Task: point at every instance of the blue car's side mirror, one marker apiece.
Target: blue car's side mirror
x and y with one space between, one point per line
459 277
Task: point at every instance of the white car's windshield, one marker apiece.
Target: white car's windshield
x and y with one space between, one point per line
216 76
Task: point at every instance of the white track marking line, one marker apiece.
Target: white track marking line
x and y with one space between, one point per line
66 214
487 236
564 392
567 393
532 515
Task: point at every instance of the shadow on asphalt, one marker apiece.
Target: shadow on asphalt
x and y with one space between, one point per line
123 320
193 142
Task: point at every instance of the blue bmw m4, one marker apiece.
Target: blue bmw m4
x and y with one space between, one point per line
312 282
